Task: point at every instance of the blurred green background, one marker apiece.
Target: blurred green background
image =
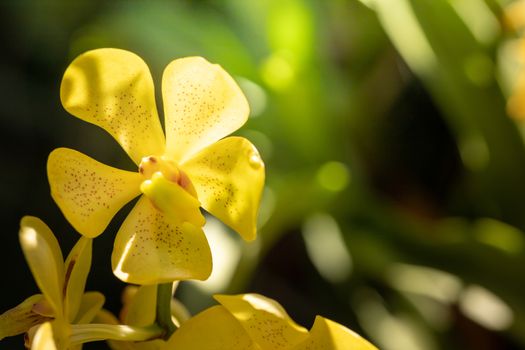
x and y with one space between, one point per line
395 197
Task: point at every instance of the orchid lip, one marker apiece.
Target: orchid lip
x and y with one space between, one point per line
151 165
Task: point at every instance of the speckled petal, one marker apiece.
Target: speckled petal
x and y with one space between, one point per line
202 104
89 193
329 335
264 320
229 177
45 260
113 89
151 247
212 329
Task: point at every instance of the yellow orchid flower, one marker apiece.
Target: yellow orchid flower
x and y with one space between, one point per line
252 321
246 321
47 316
161 240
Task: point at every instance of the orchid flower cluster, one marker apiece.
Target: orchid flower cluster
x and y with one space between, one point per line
193 165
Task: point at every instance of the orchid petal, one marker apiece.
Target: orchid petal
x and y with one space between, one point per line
229 177
202 104
43 339
327 334
264 320
141 309
90 305
19 319
50 335
89 193
152 247
214 328
113 89
78 264
173 200
45 260
155 344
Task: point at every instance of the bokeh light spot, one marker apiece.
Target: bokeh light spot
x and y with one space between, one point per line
486 308
333 176
326 247
277 71
225 253
256 96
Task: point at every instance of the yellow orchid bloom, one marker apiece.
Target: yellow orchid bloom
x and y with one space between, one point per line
63 301
252 321
246 321
194 166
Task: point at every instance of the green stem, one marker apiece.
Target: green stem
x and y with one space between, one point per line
164 296
83 333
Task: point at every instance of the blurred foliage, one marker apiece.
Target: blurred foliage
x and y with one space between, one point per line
395 200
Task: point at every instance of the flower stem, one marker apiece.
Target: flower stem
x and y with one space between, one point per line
83 333
164 296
